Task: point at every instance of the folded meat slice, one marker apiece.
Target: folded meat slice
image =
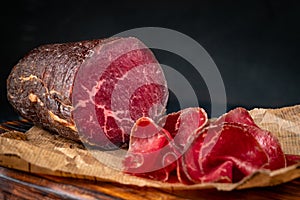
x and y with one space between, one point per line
155 149
185 145
150 152
228 152
238 115
267 141
292 159
182 125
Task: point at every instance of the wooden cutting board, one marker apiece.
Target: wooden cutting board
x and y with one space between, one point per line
21 185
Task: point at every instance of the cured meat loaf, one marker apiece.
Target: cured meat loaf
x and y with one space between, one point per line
91 91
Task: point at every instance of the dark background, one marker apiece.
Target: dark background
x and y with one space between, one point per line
254 43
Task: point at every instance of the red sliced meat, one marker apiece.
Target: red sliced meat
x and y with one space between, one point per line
292 159
272 147
182 125
267 141
150 152
238 115
160 146
227 152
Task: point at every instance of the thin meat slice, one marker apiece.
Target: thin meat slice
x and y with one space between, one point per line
154 149
150 152
182 125
215 159
238 115
184 145
272 147
267 141
227 152
292 159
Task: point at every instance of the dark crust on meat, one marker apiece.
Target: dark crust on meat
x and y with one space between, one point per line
39 87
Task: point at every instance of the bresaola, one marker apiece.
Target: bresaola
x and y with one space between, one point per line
91 91
99 91
154 150
266 140
150 153
226 150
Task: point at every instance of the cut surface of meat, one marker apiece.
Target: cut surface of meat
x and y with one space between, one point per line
182 126
226 153
271 146
238 115
130 85
150 152
267 141
89 91
292 159
154 149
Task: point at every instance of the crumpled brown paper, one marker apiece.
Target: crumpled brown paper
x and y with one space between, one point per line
39 151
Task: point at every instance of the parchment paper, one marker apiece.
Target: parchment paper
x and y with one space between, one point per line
39 151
